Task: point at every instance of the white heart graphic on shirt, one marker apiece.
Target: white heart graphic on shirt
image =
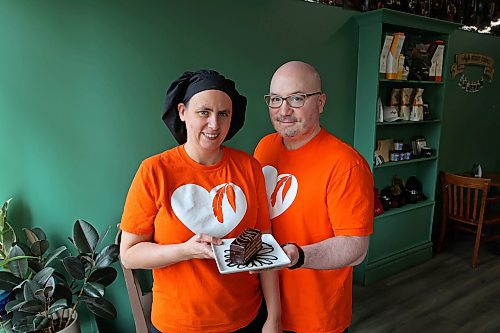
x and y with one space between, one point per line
281 190
194 206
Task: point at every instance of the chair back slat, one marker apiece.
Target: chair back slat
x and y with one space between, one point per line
466 197
468 200
464 208
476 196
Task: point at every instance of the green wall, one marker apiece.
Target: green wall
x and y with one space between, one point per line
82 85
471 120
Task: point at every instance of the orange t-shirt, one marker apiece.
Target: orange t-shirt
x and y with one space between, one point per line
176 198
321 190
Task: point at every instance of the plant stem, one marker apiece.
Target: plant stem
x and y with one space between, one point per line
73 308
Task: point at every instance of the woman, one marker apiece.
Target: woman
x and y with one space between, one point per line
192 195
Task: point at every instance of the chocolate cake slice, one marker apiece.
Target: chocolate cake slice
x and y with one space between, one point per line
245 246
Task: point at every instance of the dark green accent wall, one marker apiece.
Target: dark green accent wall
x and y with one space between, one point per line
471 120
82 85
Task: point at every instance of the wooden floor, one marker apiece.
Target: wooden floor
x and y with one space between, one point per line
442 295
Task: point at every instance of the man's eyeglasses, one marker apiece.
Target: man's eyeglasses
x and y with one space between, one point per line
294 100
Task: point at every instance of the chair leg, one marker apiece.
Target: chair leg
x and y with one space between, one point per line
476 245
442 234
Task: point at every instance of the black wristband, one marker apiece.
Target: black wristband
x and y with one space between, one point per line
300 261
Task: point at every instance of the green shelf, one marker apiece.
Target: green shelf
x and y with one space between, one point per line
401 236
407 122
411 81
415 160
404 209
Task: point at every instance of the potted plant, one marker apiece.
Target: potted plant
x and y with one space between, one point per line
48 295
9 253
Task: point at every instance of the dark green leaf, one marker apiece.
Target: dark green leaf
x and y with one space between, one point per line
36 266
8 280
7 325
63 292
100 307
50 286
14 305
58 305
85 236
40 295
29 290
18 267
39 233
3 214
93 289
39 247
74 267
32 306
60 277
107 256
89 260
30 236
43 276
31 324
104 276
54 254
9 237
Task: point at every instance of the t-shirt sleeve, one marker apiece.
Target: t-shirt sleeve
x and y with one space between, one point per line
140 206
263 217
350 202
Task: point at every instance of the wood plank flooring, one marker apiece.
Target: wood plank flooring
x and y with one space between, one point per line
443 294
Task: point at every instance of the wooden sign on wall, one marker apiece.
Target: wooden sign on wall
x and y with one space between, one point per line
472 59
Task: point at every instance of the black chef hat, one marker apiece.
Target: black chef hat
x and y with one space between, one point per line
191 83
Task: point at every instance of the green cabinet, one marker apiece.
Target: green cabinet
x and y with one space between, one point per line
402 236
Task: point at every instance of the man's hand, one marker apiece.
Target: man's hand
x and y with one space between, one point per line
292 252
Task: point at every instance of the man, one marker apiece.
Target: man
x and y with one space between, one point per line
321 200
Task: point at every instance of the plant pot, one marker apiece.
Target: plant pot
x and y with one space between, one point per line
74 327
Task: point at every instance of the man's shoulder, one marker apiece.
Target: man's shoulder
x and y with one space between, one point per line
270 138
266 144
342 150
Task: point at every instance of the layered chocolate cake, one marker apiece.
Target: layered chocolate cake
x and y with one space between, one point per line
245 246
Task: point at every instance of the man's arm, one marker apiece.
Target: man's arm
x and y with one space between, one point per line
334 252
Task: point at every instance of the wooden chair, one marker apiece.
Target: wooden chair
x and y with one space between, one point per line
140 300
464 204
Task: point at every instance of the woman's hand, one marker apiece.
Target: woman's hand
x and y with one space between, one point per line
198 246
272 325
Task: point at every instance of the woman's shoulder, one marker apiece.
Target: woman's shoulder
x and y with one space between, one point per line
161 158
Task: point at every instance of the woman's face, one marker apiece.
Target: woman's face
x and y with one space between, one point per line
207 116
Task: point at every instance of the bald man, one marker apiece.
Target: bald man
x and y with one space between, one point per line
321 202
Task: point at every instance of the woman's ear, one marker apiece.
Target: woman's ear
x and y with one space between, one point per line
181 107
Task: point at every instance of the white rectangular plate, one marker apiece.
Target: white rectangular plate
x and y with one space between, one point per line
271 255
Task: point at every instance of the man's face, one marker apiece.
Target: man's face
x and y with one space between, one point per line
295 123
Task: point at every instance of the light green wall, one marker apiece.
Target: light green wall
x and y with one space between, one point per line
82 85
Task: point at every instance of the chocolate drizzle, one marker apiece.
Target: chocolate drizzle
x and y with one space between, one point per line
262 258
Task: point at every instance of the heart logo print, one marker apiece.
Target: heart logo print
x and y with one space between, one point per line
281 190
214 213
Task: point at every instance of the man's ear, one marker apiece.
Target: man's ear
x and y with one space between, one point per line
321 102
181 107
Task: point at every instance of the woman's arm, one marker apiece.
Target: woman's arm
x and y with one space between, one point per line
140 252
